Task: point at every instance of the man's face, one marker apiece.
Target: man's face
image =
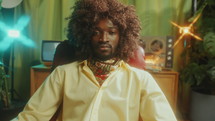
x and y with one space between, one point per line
105 39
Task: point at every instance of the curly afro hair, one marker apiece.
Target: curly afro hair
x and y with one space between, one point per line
86 13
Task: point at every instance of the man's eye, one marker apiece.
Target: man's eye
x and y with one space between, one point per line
96 33
112 32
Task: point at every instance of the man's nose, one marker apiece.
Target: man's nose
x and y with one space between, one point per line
104 37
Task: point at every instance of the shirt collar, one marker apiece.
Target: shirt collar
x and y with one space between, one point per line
121 64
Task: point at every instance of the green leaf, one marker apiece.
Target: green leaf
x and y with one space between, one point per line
211 2
209 43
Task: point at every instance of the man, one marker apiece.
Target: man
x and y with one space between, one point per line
100 86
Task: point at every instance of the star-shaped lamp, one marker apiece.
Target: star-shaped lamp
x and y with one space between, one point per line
186 31
14 34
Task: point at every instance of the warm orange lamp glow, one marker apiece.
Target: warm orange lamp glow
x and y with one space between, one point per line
186 31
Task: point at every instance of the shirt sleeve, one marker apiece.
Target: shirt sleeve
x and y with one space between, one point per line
44 103
153 103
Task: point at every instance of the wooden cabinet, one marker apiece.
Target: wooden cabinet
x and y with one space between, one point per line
38 75
167 80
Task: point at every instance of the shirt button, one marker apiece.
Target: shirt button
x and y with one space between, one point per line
93 118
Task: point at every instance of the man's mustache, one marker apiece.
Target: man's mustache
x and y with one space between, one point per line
104 44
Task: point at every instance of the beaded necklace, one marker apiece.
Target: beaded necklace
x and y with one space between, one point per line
102 69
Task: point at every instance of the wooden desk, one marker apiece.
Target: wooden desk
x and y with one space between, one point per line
167 80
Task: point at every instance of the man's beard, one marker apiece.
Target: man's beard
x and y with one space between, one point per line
99 56
104 57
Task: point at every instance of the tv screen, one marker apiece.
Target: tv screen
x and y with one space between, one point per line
48 50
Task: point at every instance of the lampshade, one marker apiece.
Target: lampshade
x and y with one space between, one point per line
10 3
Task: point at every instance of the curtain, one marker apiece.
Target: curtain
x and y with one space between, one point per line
48 23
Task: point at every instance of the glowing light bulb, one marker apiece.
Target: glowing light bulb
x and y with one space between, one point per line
186 31
13 33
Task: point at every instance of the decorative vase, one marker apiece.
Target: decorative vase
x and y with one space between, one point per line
202 107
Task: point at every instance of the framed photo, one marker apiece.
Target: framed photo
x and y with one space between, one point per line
158 51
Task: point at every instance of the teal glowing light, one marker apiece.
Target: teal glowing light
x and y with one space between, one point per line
15 34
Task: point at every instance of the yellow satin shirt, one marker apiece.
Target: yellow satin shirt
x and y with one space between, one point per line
127 94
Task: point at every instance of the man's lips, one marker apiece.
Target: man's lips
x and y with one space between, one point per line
104 46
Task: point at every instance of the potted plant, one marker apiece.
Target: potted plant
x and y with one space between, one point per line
200 74
4 92
199 71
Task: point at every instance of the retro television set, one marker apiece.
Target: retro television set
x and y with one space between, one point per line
48 48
